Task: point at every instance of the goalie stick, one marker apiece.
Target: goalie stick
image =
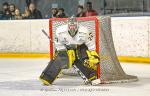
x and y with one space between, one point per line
44 32
86 81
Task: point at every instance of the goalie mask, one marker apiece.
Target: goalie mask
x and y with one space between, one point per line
72 26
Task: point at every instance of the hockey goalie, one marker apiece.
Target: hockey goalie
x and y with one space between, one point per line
75 48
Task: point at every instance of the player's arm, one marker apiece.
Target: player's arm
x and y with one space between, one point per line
58 40
58 45
93 56
61 48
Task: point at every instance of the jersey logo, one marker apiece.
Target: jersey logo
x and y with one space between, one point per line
90 36
65 41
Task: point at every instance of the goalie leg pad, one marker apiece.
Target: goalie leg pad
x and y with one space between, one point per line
51 72
89 73
54 67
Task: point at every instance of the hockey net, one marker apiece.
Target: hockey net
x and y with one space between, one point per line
109 69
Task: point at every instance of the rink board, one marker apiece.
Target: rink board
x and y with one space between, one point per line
23 38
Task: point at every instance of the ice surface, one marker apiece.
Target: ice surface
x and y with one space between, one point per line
19 77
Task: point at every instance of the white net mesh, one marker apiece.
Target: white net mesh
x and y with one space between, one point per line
110 68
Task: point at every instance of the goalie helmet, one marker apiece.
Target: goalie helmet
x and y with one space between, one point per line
72 26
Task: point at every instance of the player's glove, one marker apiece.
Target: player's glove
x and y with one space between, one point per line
93 59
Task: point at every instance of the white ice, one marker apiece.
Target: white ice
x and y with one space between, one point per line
19 77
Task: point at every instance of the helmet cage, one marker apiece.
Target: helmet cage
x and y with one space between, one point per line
72 26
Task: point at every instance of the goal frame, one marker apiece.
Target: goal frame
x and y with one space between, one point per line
97 32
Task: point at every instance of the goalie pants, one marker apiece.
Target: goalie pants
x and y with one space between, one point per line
55 66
